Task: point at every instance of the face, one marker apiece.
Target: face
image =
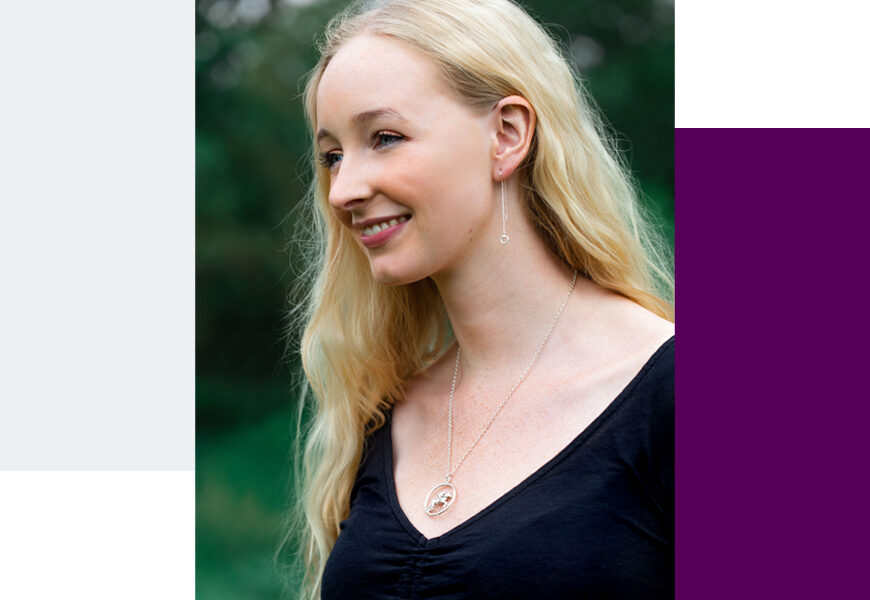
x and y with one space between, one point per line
410 167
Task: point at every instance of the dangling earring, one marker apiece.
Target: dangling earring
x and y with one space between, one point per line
503 238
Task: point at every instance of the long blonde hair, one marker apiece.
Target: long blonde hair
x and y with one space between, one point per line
363 340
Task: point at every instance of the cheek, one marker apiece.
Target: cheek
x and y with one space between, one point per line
451 176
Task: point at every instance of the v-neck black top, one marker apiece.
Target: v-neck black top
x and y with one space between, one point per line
595 521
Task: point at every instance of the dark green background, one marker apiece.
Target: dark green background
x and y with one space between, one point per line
251 170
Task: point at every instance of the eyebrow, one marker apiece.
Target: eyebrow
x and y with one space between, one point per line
363 118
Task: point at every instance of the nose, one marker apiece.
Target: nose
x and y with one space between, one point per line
349 185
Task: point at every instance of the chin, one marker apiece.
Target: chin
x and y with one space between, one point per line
393 275
392 279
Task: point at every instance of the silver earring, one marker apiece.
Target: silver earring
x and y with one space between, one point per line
503 238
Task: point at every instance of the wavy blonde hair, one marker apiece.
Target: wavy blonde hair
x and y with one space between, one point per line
362 339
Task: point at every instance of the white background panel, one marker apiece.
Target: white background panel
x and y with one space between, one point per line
772 63
97 535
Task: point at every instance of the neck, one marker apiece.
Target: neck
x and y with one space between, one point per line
501 308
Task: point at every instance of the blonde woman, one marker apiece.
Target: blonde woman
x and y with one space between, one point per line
489 341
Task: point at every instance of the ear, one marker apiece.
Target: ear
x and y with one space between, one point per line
514 129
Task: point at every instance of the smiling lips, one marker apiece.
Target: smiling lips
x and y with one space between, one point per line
377 234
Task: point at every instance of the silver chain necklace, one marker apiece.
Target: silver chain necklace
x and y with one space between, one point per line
442 496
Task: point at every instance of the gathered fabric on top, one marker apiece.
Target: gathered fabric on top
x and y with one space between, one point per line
595 521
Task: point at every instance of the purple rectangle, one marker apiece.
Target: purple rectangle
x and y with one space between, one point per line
772 412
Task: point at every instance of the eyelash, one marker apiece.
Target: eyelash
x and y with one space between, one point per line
383 135
328 159
379 139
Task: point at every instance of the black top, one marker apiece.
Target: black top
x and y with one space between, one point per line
596 521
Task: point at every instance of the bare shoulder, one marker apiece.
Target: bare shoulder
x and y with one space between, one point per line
634 323
616 330
606 344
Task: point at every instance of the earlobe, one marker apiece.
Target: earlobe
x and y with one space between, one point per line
514 130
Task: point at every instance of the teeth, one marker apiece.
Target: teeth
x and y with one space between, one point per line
379 227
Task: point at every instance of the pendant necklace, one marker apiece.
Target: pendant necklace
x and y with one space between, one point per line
443 495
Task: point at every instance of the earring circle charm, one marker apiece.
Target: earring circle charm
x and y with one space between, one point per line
503 239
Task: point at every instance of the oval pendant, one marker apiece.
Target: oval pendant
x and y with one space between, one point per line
439 499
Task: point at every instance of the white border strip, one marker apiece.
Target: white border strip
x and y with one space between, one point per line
97 535
772 63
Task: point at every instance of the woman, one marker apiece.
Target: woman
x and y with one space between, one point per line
488 352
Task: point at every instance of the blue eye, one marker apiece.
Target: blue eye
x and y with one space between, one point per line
386 138
329 159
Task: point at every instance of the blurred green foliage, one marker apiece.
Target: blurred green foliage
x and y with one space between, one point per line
251 170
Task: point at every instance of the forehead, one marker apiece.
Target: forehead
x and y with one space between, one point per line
371 71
